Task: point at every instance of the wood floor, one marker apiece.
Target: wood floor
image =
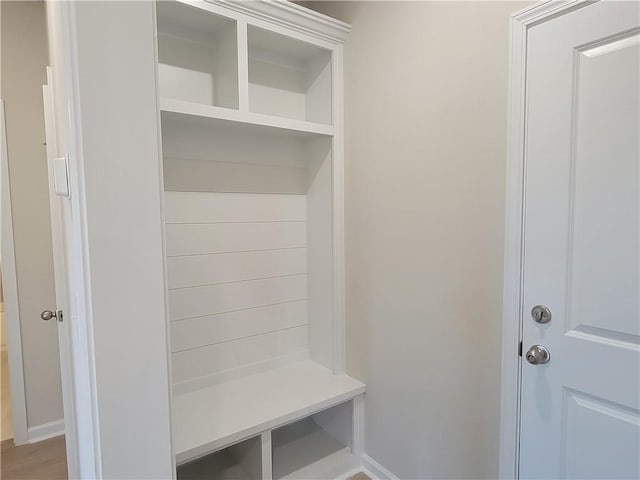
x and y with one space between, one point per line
46 460
359 476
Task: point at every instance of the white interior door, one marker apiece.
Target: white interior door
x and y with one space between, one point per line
580 411
58 194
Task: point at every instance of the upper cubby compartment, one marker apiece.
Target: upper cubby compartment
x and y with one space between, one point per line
197 55
288 77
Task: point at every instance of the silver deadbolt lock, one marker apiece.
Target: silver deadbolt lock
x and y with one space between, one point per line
541 314
538 355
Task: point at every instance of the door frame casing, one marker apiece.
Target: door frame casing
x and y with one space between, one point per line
11 305
512 309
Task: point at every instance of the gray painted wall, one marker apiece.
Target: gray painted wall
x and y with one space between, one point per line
24 56
426 104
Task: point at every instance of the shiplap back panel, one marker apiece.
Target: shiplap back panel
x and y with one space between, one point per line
197 363
237 278
216 158
193 302
206 175
210 207
212 329
208 269
199 239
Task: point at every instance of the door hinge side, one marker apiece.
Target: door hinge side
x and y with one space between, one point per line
520 349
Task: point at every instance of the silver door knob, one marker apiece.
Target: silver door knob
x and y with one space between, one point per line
48 315
537 355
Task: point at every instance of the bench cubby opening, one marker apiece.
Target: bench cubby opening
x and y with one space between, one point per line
242 461
315 447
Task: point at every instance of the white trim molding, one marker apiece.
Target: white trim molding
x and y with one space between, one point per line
83 436
291 16
521 22
45 431
375 470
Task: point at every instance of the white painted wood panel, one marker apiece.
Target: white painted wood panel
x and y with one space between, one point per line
179 81
211 418
197 55
603 287
580 412
320 261
304 450
194 175
237 278
200 301
318 108
190 239
198 270
240 461
219 465
248 455
191 133
207 207
211 360
183 114
212 329
113 234
287 102
287 77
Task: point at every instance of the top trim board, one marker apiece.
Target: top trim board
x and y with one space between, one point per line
287 14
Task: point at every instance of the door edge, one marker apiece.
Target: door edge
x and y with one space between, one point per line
520 23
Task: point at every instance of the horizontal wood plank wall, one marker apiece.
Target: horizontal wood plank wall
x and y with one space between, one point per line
212 157
237 277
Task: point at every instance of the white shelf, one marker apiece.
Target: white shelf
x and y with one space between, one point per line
212 418
212 113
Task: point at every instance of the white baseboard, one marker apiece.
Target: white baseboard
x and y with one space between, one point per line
45 431
374 470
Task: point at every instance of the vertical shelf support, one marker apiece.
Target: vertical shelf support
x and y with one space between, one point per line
338 213
243 66
267 456
357 442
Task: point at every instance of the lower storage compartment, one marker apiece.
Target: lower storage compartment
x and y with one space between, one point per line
242 461
316 447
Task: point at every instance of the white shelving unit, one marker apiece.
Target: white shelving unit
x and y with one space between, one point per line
288 78
316 447
242 461
250 97
197 55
